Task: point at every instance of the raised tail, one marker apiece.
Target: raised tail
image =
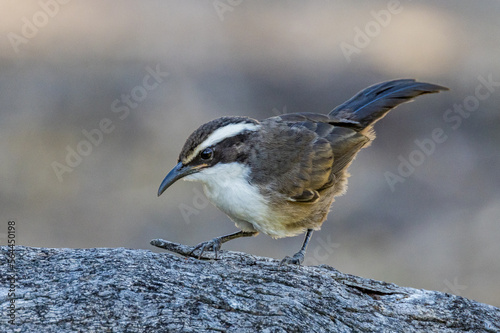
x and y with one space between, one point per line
373 103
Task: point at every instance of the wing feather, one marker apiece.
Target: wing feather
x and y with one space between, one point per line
313 150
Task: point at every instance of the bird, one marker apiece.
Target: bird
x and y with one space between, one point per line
280 175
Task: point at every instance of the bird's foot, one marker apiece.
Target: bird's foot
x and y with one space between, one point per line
296 259
211 245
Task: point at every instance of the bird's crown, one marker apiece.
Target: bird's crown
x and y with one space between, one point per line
213 132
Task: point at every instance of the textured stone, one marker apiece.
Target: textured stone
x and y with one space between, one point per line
123 290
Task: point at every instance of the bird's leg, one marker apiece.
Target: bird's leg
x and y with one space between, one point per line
298 257
216 243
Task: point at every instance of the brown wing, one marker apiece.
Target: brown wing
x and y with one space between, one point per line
310 152
304 154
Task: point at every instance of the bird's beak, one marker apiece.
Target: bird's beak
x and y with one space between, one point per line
179 171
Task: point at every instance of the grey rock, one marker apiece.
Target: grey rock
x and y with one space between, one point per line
123 290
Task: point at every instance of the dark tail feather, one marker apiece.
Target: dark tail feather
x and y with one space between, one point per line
371 104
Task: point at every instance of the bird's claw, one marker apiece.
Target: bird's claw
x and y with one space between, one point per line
296 259
211 245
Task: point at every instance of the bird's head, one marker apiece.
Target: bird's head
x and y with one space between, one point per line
219 141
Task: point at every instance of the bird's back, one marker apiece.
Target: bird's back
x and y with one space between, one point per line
303 157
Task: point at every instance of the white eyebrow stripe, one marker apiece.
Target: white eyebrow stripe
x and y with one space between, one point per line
220 134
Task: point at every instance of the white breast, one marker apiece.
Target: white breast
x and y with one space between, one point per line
226 186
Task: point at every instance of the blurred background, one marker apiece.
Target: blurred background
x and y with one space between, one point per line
98 97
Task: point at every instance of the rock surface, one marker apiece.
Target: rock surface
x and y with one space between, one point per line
123 290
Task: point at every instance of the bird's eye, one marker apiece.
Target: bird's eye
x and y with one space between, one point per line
207 154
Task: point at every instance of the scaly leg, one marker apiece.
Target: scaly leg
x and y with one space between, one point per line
298 258
216 243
